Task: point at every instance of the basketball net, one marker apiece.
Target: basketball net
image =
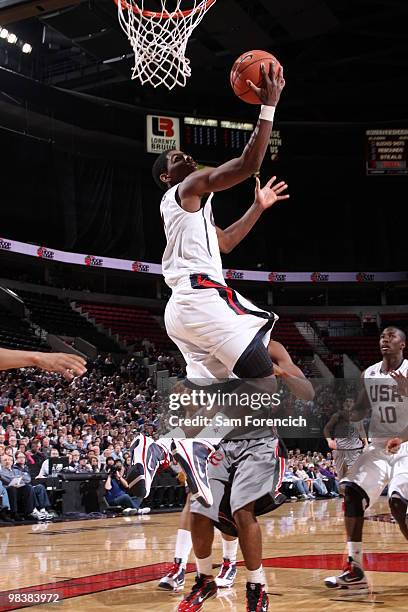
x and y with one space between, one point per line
159 39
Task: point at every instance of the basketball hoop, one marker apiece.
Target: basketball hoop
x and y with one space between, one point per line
159 39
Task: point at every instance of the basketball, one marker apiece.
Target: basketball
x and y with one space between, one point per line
248 67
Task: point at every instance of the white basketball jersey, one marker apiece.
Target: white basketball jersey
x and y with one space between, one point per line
192 243
389 410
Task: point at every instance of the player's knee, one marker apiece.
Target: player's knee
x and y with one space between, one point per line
255 362
355 502
398 507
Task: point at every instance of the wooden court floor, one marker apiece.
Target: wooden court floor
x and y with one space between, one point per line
115 563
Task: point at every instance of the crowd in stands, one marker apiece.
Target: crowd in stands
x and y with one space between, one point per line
310 475
93 421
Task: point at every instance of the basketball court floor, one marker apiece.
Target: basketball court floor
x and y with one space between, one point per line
115 563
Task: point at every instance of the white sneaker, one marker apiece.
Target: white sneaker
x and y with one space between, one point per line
227 574
147 457
352 581
130 511
144 511
193 455
47 515
175 579
37 515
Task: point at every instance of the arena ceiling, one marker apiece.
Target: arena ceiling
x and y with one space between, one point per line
345 60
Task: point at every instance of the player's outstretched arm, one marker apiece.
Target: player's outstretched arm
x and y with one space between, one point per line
237 170
265 197
67 364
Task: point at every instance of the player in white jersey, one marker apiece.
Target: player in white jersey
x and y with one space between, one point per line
385 462
220 333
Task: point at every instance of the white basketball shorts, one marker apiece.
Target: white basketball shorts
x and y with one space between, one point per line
213 325
375 469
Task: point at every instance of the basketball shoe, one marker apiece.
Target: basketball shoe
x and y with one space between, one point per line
257 599
227 574
147 457
175 578
352 581
203 589
192 456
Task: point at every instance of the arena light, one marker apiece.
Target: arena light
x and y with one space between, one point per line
4 33
12 38
26 48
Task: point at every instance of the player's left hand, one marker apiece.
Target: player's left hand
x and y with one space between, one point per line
393 445
267 196
67 364
402 382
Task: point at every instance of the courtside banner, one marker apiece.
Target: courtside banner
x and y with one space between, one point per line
145 267
162 133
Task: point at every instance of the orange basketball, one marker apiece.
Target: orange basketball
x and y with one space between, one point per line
248 67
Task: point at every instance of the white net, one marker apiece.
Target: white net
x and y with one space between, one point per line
159 39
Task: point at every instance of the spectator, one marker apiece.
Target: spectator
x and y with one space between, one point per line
299 472
110 462
5 516
84 466
41 501
329 479
116 495
318 485
35 458
12 443
74 463
300 485
21 496
45 467
94 464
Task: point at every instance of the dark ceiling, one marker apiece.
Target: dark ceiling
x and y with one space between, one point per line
345 60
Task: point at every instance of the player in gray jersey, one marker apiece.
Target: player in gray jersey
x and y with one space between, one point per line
245 476
345 437
385 462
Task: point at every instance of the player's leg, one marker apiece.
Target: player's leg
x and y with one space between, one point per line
399 510
363 486
175 578
202 534
260 466
227 574
250 541
340 464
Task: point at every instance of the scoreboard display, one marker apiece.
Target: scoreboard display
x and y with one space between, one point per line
213 140
387 151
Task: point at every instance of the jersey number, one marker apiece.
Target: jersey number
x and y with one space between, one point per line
388 414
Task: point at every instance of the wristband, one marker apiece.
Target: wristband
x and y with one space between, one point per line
267 113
